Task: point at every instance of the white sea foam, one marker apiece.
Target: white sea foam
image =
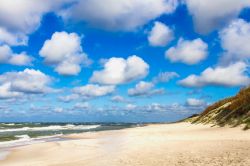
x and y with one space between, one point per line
52 127
9 124
26 140
23 137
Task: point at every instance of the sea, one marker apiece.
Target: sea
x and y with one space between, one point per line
19 134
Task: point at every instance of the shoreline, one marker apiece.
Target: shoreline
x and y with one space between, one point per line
56 137
7 146
162 144
21 132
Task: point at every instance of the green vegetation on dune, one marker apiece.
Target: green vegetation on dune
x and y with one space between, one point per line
231 111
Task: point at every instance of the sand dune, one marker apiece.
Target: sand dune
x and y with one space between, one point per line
162 144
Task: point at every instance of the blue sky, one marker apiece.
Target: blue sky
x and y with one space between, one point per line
128 60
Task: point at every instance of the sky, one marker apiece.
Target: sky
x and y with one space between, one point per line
120 60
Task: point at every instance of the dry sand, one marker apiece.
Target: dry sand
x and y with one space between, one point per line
154 145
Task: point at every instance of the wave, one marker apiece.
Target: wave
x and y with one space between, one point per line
26 140
52 128
23 137
9 124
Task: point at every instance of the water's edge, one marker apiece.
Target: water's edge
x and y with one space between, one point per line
23 134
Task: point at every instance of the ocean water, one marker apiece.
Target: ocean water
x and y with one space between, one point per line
17 134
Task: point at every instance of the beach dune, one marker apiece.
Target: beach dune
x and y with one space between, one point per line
153 145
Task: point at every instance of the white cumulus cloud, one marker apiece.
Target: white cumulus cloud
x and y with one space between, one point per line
144 89
165 77
6 92
125 15
188 52
68 98
29 81
13 38
160 35
119 99
94 90
82 106
234 39
58 109
209 16
64 51
8 57
195 102
119 71
18 18
130 107
232 75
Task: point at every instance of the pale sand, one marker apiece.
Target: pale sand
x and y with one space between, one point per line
155 145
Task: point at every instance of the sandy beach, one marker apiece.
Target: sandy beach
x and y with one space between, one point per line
158 144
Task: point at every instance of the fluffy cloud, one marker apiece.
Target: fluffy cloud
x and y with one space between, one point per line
58 109
119 71
165 77
209 16
147 89
141 88
64 51
119 15
188 52
144 89
87 92
141 110
19 18
130 107
195 102
232 75
6 92
82 106
155 107
175 108
20 59
119 99
93 90
233 40
12 38
160 35
68 98
29 81
8 57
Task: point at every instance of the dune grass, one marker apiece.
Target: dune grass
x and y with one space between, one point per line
231 111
